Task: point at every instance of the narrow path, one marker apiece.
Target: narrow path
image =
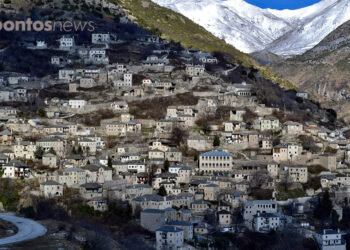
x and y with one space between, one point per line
27 229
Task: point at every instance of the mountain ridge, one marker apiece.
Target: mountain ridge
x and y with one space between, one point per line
251 29
174 26
323 71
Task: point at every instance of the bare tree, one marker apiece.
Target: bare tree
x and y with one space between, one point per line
259 179
285 181
177 136
151 171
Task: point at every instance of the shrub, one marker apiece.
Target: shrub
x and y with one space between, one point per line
316 169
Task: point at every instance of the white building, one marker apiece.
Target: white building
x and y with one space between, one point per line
194 70
286 152
15 169
76 103
98 56
255 207
169 237
66 43
265 222
66 75
329 239
127 79
100 38
215 161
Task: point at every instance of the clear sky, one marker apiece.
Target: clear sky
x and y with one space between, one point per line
282 4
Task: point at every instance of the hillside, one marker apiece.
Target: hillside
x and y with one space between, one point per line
174 26
324 70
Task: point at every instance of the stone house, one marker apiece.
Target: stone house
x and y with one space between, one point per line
87 82
164 126
224 218
266 144
66 43
152 219
75 160
329 239
268 123
137 190
100 38
49 160
51 189
286 152
173 155
184 175
15 169
255 207
292 128
98 174
98 204
72 177
90 190
156 154
116 129
210 191
298 173
231 126
265 222
55 143
157 144
242 89
169 237
200 206
120 106
6 137
151 201
138 92
195 70
187 227
66 75
77 103
89 146
272 169
328 161
215 161
130 157
24 150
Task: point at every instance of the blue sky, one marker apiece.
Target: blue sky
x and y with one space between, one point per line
282 4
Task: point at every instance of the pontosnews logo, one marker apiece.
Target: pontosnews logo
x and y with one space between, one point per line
47 26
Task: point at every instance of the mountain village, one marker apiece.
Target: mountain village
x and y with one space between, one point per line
173 137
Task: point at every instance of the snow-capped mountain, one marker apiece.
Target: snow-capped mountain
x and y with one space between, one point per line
250 28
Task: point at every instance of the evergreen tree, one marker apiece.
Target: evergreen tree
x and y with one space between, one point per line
216 141
52 151
74 151
324 207
109 162
162 191
39 152
166 165
80 150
